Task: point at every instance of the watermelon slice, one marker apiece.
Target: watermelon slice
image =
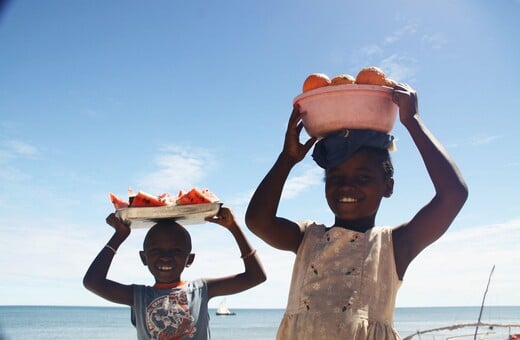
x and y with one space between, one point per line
197 196
143 199
117 201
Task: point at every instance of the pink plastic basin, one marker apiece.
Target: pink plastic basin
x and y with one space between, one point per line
352 106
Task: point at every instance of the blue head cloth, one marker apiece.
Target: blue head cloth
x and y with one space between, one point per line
336 147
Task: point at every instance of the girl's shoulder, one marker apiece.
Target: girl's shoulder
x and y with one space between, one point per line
309 224
382 230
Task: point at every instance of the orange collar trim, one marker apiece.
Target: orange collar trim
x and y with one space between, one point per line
169 285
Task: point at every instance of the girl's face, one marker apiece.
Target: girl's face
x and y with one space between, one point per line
354 189
167 253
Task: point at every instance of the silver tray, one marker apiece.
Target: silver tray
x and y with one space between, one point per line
144 217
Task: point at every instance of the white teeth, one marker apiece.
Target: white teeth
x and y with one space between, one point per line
164 268
348 200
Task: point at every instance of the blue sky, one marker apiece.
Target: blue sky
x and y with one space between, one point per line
99 96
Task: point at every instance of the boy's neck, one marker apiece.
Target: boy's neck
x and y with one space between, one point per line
168 285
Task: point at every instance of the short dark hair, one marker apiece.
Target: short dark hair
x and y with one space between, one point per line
383 156
172 226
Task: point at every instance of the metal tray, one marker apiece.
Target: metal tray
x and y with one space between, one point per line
143 217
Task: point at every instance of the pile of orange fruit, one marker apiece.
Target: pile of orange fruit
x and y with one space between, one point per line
370 75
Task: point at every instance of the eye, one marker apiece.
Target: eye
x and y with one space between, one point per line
153 252
333 180
364 178
177 252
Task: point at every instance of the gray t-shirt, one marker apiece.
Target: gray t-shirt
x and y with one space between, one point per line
175 313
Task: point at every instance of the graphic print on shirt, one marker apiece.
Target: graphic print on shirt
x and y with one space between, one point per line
168 317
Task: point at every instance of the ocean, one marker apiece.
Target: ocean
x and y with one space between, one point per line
107 323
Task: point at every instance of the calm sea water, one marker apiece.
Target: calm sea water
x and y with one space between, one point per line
50 322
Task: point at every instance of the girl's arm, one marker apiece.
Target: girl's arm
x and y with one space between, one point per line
450 189
96 280
261 216
254 273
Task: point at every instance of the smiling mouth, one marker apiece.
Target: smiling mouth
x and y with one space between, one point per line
164 268
348 200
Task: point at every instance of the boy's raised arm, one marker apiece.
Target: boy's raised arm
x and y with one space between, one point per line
261 216
254 273
95 278
450 189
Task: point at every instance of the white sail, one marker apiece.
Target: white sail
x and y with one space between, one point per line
223 309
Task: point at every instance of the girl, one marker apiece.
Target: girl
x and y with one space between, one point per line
346 276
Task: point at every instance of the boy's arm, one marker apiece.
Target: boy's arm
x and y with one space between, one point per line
450 189
254 273
261 216
96 280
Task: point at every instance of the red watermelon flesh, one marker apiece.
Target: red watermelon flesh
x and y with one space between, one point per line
143 199
117 201
197 196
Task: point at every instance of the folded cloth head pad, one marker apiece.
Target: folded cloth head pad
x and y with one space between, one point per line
336 147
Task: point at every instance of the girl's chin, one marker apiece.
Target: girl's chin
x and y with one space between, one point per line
348 217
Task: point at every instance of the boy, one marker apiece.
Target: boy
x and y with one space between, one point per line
172 308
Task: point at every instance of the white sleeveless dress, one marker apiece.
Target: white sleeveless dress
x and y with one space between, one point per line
344 286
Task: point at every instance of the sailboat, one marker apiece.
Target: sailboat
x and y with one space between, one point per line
223 309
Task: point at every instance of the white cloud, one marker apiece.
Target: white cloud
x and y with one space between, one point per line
241 199
454 269
10 150
435 40
298 184
15 148
177 168
91 113
370 50
10 174
511 164
398 34
22 148
481 140
399 68
40 250
54 254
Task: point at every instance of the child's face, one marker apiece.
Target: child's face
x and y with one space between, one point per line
354 189
166 253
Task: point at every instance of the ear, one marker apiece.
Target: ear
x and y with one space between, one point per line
190 260
389 190
143 257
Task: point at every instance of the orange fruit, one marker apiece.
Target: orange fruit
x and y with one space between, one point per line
371 75
390 82
342 79
315 80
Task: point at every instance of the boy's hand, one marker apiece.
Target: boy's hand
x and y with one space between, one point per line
292 147
406 98
224 217
121 227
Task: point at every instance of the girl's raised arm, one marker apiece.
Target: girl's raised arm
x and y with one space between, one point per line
261 216
451 191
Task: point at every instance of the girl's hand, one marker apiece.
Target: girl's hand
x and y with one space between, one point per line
224 217
121 227
406 98
292 147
